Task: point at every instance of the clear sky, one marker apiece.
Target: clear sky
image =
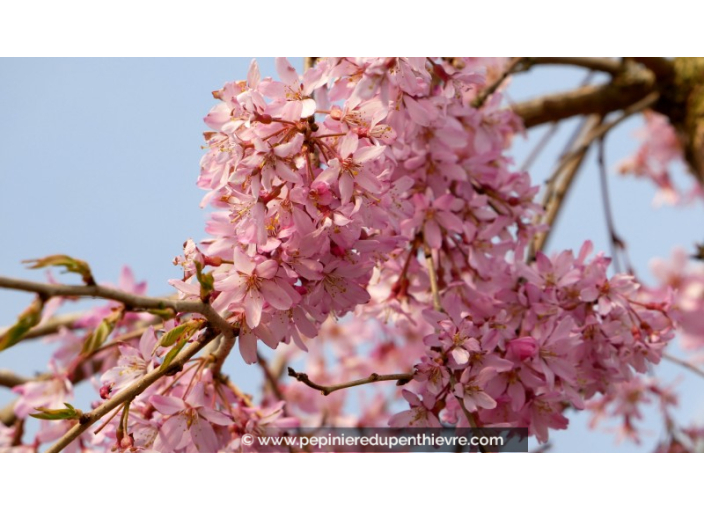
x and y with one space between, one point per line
98 160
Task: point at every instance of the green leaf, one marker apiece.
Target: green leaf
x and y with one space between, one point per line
69 413
185 330
72 266
25 321
172 354
165 313
98 336
206 280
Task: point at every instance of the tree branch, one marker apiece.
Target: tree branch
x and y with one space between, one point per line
686 364
51 325
557 190
272 382
434 289
326 390
97 291
625 90
9 379
559 183
222 352
606 65
132 301
131 391
7 414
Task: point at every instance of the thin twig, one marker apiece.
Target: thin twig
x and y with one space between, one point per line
554 127
683 363
326 390
542 143
434 288
491 88
557 190
614 240
271 381
132 301
97 291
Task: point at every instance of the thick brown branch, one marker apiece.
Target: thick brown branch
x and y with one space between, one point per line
7 414
326 390
606 65
660 66
222 352
627 89
9 379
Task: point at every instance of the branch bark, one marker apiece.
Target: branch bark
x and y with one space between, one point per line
606 65
10 379
132 301
326 390
623 91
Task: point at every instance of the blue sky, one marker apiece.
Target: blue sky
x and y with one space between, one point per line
98 160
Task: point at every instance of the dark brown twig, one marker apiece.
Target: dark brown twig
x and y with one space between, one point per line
326 390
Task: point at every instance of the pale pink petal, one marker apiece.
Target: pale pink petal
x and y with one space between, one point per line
433 236
286 71
173 435
267 269
203 436
248 347
167 405
369 153
275 295
253 304
346 187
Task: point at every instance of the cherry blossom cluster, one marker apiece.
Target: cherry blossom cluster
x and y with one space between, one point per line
384 183
625 404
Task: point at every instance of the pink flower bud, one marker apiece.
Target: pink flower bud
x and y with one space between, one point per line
522 348
105 391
